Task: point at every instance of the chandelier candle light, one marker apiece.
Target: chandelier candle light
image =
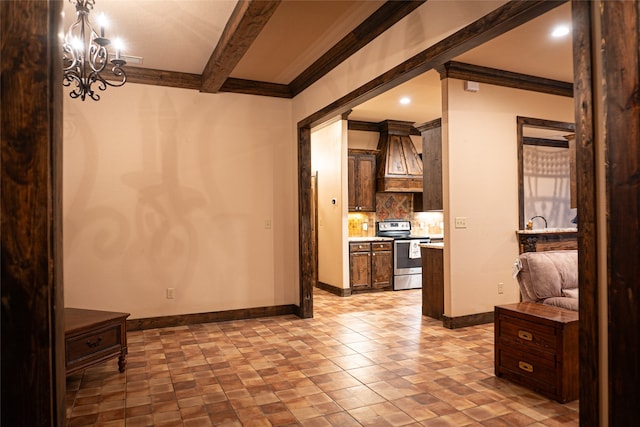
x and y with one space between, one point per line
86 56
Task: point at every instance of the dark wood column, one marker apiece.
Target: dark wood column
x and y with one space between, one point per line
620 55
308 256
607 121
33 373
587 210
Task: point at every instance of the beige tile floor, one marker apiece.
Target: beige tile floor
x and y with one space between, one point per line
368 359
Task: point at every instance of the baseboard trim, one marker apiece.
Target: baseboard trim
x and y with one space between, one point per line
214 316
341 292
469 320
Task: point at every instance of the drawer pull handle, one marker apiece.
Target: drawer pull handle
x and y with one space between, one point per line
95 343
525 335
525 366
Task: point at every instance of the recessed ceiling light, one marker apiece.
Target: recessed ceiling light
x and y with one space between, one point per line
405 100
560 31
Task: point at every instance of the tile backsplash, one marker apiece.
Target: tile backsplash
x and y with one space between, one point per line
362 224
395 206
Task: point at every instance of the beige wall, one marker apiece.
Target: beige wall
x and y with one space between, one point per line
481 183
328 158
171 188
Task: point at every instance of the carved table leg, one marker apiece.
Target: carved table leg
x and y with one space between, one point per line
122 359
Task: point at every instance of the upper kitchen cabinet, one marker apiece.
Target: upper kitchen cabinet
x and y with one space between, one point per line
431 199
362 184
399 165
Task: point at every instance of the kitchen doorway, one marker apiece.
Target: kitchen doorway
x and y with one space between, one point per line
582 56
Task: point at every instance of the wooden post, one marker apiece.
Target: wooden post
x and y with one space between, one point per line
33 372
620 103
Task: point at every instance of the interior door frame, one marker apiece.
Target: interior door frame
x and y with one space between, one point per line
469 37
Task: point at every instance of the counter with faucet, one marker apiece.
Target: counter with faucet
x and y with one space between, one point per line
547 239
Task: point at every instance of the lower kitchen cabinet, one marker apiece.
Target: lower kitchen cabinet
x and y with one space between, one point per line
381 265
370 266
360 266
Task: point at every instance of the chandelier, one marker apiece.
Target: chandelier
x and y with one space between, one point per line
86 56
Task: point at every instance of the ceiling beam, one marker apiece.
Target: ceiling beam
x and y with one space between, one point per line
150 76
380 21
244 25
495 23
493 76
374 127
252 87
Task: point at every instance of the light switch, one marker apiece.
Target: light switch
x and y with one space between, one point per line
267 224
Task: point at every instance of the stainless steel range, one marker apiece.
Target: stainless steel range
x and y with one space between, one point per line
407 262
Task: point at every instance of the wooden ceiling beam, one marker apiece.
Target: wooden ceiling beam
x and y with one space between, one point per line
495 23
493 76
252 87
365 126
149 76
244 25
381 20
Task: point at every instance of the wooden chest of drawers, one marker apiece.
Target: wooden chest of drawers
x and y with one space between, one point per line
537 346
93 336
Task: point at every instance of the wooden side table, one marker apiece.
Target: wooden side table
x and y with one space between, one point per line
536 346
93 336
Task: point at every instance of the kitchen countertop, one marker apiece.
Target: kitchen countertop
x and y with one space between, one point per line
371 239
548 231
435 245
436 237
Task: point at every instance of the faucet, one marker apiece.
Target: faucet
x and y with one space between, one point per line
530 223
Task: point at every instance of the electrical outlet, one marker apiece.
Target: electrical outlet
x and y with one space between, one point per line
461 222
500 287
170 293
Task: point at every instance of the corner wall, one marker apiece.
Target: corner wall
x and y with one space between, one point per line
480 180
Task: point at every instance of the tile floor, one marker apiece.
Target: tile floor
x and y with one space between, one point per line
369 359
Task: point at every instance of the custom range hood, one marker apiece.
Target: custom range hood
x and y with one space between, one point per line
399 165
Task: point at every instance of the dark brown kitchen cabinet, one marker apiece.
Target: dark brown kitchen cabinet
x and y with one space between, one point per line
381 265
431 197
362 180
360 266
432 282
370 266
